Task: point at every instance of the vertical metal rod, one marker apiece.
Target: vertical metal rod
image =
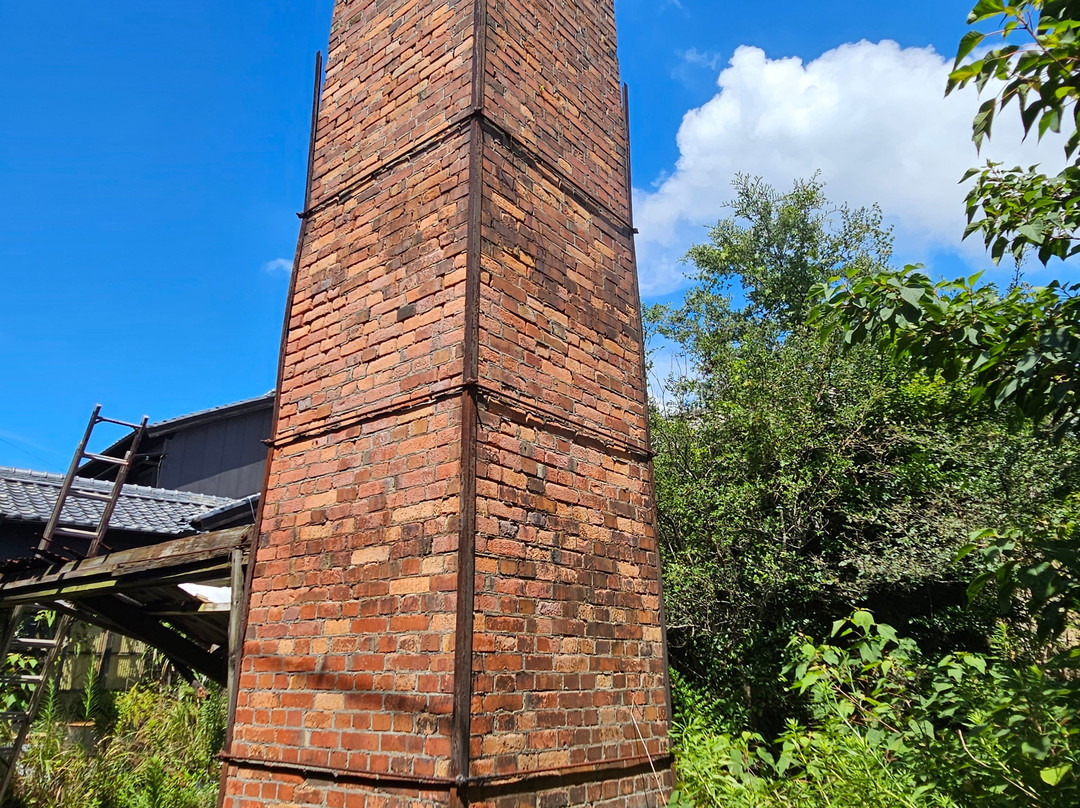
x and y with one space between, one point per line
316 105
461 721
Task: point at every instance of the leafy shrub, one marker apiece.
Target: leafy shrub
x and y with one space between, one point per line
887 726
154 748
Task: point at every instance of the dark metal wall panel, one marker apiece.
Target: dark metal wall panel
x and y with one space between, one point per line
224 458
18 540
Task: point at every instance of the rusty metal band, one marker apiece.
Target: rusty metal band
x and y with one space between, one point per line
436 138
461 124
461 717
574 428
529 410
615 220
536 780
364 415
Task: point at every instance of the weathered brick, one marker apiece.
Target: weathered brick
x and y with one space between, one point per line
349 656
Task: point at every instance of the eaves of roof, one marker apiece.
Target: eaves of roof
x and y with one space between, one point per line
29 496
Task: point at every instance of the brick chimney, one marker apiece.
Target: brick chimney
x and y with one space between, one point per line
456 594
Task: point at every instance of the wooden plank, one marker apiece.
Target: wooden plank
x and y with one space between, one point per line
201 543
178 560
51 590
236 593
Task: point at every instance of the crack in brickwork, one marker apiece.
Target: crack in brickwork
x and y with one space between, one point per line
461 408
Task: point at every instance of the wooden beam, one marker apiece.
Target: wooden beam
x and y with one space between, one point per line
152 632
180 560
236 600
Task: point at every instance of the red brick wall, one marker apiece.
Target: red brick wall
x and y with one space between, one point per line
552 80
349 654
461 391
568 648
559 315
380 296
397 72
257 788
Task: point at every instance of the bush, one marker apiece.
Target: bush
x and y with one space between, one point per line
886 726
150 747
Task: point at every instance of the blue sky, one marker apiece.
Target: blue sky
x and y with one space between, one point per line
152 160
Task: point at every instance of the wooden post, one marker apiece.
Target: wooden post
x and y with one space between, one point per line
236 600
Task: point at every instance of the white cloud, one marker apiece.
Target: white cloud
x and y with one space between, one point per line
709 59
693 64
278 265
870 116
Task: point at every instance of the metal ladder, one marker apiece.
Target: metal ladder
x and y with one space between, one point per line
33 642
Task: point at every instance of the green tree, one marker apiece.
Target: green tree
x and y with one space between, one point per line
1018 349
947 406
1035 65
797 479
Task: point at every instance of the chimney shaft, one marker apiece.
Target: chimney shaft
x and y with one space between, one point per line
456 594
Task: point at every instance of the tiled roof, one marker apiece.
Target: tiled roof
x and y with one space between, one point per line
29 496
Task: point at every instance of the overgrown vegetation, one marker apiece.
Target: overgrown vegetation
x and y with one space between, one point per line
869 491
868 484
799 478
150 747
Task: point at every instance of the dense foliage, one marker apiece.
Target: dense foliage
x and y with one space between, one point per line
893 469
151 747
800 478
888 725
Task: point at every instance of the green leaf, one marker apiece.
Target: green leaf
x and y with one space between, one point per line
863 619
1032 233
984 9
983 122
975 661
1051 120
965 551
1054 775
912 294
968 43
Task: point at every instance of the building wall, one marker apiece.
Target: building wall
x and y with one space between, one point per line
218 453
226 458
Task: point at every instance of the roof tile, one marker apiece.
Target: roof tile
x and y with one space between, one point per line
29 496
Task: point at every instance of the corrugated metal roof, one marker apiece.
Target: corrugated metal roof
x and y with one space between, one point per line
29 496
220 411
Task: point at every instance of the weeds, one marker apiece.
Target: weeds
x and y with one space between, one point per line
152 747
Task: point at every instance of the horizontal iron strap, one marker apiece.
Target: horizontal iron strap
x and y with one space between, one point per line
598 771
351 418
